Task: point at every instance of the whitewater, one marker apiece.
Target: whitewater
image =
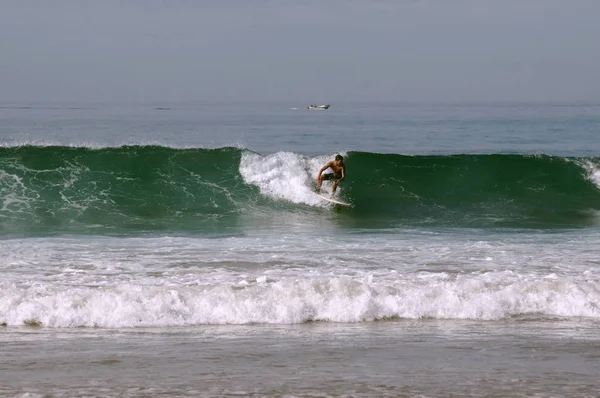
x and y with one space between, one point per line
293 279
187 243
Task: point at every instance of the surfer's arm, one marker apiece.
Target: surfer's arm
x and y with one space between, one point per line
343 174
323 169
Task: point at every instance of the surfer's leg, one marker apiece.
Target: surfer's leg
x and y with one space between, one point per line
335 184
320 180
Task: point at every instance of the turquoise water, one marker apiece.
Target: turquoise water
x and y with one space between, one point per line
131 190
157 220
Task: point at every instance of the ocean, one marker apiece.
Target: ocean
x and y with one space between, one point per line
180 250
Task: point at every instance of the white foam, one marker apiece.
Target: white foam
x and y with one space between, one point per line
593 171
284 175
295 277
337 299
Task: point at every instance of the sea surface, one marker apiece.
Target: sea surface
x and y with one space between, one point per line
180 250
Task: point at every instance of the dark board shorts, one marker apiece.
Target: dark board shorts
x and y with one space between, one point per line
331 176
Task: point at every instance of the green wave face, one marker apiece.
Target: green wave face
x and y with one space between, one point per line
476 190
151 188
64 189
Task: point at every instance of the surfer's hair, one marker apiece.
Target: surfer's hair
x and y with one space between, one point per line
339 157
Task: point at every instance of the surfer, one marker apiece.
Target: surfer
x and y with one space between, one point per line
339 173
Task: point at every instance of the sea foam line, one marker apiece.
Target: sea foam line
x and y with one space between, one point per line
490 296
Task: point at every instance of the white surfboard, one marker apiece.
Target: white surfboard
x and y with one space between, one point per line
332 200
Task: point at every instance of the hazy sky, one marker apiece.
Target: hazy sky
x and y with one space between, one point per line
305 51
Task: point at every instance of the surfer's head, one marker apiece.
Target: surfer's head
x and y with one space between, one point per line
339 158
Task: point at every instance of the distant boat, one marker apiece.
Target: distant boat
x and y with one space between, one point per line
319 106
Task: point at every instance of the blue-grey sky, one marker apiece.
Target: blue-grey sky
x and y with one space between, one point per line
313 51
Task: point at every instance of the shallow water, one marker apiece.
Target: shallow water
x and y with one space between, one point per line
516 357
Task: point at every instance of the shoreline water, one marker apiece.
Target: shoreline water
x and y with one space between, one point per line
517 357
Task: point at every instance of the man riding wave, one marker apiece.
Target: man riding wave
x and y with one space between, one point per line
338 174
